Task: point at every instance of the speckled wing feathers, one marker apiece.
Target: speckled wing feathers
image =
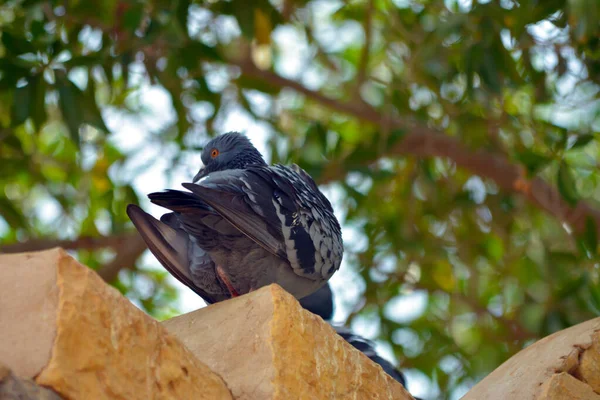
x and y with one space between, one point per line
313 235
279 208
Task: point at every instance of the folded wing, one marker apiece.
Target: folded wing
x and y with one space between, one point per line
173 247
280 211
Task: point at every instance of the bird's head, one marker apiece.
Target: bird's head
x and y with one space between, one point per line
228 151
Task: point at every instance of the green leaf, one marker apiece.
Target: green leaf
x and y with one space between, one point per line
494 247
582 141
360 155
22 104
488 71
594 294
10 74
244 13
194 51
16 45
562 259
182 11
472 60
70 106
566 184
133 15
38 87
395 137
13 142
589 238
108 71
124 61
11 214
316 133
532 161
569 288
91 110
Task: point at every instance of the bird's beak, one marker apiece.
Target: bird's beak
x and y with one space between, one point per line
201 174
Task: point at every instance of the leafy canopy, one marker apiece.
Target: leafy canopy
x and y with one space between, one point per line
457 137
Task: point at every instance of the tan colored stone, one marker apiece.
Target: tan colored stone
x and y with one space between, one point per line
589 364
266 346
563 386
522 376
72 332
28 300
4 372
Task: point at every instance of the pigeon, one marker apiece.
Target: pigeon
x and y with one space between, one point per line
321 304
242 225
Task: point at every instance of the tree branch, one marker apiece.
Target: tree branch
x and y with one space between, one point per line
85 242
128 246
127 254
422 141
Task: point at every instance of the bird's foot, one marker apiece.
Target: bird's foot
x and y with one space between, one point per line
225 279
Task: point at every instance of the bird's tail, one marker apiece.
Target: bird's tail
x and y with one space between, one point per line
169 245
181 202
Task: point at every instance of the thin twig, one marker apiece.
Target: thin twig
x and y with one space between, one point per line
84 242
364 58
128 246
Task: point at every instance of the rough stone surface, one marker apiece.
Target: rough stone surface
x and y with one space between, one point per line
565 387
589 364
14 388
28 300
102 346
530 370
266 346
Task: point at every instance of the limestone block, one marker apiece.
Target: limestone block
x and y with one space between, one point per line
565 387
67 329
588 369
536 372
266 346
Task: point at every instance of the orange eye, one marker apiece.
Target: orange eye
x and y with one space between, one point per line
214 153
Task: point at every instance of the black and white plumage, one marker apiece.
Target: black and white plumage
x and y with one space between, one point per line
243 225
321 304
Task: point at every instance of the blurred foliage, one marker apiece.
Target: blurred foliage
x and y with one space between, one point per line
515 78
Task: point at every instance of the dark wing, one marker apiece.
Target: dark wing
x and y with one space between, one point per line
172 247
278 209
320 302
196 217
244 199
366 347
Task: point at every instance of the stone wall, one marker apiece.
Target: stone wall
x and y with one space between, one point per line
562 366
67 331
65 334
